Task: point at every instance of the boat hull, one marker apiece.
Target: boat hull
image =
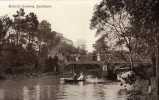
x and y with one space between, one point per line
72 81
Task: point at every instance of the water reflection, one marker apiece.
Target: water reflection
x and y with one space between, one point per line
53 90
1 94
32 93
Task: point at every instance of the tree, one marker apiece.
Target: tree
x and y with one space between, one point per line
31 25
44 30
19 23
25 23
45 34
144 22
114 23
5 24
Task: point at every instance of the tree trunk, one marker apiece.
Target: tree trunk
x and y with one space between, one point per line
29 38
157 70
157 66
131 61
17 37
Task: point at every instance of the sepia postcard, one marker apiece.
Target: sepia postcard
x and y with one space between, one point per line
79 49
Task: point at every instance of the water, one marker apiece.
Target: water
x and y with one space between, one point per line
54 89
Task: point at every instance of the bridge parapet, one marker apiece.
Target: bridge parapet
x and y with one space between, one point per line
85 62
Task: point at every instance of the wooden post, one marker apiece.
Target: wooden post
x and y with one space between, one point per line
157 74
157 69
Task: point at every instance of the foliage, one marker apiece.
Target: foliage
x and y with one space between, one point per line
114 23
25 44
5 23
133 23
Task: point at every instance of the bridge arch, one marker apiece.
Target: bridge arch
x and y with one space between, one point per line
86 67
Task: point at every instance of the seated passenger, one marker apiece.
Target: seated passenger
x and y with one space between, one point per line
81 77
75 76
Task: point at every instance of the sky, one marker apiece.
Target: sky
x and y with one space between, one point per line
69 17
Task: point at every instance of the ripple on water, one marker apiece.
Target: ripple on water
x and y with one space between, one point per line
49 89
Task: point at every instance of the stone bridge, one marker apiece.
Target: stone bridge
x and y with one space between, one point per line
95 67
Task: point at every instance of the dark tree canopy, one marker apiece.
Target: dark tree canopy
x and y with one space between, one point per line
26 43
143 18
5 23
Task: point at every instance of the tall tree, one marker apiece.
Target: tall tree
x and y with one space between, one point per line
114 23
144 22
5 24
44 30
19 23
45 34
31 25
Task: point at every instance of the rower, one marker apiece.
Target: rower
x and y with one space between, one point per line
75 76
81 77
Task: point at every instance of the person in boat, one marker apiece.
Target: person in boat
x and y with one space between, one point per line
81 77
75 76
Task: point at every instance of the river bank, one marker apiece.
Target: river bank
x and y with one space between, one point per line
28 76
